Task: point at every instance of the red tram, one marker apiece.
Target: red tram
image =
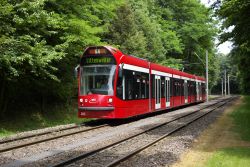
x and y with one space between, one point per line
115 85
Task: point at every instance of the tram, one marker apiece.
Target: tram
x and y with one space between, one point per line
114 85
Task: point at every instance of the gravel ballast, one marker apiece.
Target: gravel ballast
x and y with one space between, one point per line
76 144
169 150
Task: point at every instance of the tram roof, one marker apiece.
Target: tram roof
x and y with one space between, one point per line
133 60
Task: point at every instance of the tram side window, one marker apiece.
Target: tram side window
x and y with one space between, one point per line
200 89
153 86
185 89
136 85
144 85
194 88
129 92
203 88
163 87
119 88
168 91
182 87
171 87
175 87
179 87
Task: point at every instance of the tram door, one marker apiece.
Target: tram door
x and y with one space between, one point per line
157 92
167 91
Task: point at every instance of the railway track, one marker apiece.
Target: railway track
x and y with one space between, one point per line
191 117
56 134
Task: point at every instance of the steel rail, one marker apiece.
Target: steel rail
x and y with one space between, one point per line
4 149
38 134
127 156
29 143
85 155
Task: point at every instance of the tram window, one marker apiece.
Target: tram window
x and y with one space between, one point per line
119 88
128 85
175 93
147 85
136 85
144 85
182 87
153 85
97 79
203 88
171 87
177 87
185 89
194 88
143 88
168 89
163 87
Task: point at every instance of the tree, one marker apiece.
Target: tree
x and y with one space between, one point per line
235 14
188 27
26 52
125 34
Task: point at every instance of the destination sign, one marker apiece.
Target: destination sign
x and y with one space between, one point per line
97 60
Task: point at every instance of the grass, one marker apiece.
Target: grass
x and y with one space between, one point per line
26 120
241 118
230 157
235 156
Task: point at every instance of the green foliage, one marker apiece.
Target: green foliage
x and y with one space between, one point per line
241 118
230 157
226 63
172 63
125 33
41 41
235 14
25 32
151 29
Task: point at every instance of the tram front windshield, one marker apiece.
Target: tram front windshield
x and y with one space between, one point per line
97 79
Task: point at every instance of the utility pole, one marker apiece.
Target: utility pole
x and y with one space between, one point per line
225 77
207 74
228 85
222 89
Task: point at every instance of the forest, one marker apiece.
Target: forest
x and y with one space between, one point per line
41 42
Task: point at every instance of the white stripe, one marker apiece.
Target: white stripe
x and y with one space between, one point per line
161 73
135 68
185 78
176 76
200 81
